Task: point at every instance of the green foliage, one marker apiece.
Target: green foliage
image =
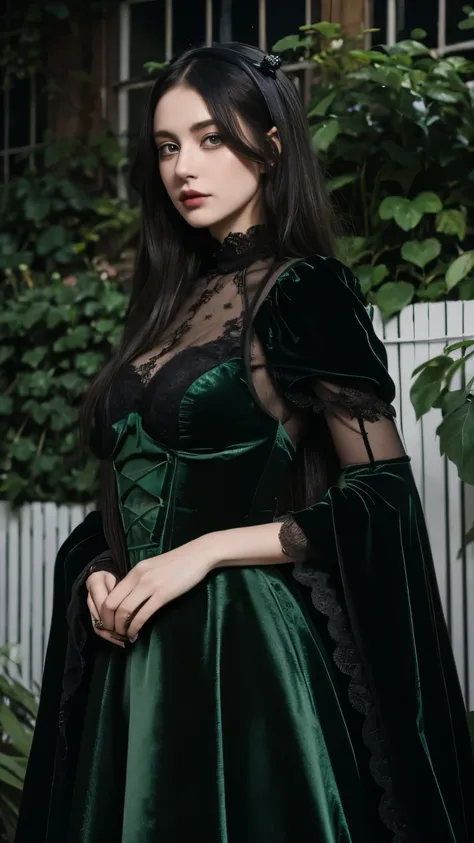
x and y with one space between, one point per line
433 387
18 710
394 129
54 338
64 212
62 305
28 29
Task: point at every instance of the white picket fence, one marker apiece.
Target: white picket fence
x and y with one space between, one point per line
31 536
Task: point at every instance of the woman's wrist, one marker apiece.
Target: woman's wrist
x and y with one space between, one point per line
211 548
255 545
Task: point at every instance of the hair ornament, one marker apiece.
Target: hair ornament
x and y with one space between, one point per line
269 64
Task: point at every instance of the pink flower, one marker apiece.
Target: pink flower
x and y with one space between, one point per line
70 281
110 270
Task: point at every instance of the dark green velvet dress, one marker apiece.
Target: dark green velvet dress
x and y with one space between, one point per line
314 703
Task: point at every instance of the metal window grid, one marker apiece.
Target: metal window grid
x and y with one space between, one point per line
7 151
395 9
126 84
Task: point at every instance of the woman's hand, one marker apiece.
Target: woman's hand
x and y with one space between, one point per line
153 583
99 585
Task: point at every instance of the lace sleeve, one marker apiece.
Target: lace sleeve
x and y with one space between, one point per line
363 431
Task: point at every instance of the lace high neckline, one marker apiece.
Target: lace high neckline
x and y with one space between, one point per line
240 249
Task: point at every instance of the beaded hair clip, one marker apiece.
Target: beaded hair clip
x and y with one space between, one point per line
269 64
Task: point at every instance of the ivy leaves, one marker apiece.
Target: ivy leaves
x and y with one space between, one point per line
433 388
408 213
65 212
459 268
393 127
43 383
421 252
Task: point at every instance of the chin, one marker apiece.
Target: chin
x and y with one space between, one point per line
196 219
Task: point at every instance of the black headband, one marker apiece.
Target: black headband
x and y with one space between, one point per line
262 73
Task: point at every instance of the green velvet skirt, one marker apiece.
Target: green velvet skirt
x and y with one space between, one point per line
223 722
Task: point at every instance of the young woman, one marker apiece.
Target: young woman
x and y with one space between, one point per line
255 649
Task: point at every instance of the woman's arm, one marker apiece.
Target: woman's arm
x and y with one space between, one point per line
256 545
158 580
154 582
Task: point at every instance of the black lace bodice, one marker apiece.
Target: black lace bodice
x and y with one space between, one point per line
158 397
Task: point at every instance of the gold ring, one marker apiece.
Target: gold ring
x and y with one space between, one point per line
128 621
97 623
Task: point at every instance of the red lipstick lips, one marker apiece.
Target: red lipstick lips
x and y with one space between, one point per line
192 198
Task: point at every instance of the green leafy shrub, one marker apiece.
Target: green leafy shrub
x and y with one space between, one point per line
64 213
18 711
53 340
394 128
65 251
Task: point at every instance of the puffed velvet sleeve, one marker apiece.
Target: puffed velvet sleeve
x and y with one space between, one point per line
364 553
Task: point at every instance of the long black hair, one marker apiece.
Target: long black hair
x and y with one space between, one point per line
171 253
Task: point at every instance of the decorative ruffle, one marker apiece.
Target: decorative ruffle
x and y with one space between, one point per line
363 405
347 660
293 541
240 249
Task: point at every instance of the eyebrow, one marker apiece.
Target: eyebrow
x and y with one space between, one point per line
196 127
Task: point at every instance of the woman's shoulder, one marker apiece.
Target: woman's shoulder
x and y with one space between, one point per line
315 323
318 278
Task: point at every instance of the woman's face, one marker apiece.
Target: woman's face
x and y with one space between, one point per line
194 160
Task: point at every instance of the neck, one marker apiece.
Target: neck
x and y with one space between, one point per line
238 223
240 249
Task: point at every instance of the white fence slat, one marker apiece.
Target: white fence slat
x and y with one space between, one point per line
421 333
64 523
13 568
411 429
4 514
392 346
50 551
468 521
434 466
77 516
469 595
38 592
27 606
454 328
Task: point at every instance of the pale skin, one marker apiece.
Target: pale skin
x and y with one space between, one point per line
192 156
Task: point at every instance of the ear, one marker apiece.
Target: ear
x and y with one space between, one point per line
273 137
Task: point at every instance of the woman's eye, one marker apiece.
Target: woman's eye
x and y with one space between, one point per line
213 140
167 149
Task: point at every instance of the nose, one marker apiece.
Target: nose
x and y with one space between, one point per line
187 163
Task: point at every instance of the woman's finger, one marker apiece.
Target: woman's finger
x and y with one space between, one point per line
92 608
100 590
110 637
106 614
127 610
110 581
99 593
106 634
121 591
147 609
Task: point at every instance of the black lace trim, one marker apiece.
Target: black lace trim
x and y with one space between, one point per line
146 370
364 406
240 249
293 541
347 660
